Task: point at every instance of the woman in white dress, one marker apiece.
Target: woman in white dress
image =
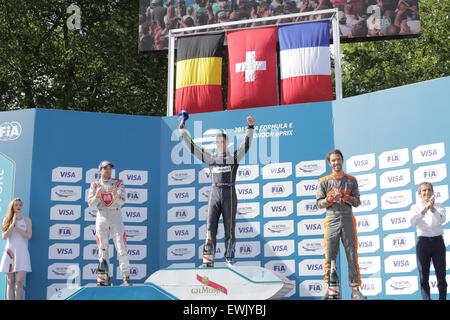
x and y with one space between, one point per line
16 258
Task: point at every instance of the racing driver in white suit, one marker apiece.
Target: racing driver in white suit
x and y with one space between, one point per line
108 196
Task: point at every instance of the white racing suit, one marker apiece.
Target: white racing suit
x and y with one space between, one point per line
109 220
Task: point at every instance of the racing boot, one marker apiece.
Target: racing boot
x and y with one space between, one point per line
208 252
103 274
126 281
357 295
334 291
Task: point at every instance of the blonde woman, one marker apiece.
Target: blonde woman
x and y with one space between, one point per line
16 258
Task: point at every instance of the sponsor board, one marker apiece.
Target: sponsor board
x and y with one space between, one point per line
310 168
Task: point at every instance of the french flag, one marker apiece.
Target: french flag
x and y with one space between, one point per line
305 62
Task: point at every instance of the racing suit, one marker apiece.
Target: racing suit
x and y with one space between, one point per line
339 222
109 220
222 196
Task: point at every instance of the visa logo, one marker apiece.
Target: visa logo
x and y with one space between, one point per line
314 267
133 214
278 208
401 263
181 233
63 251
367 286
397 178
277 170
181 195
67 174
65 212
245 191
310 187
279 248
134 177
313 226
398 220
245 229
361 163
133 252
365 202
428 153
365 244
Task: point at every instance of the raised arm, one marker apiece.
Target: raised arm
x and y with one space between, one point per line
245 145
197 151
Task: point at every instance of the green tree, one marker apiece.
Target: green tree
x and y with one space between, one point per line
378 65
97 68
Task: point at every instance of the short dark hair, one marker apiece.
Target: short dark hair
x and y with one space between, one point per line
335 151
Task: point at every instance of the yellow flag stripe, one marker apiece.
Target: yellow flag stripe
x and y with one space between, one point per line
199 71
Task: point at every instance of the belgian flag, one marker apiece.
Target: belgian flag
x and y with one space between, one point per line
199 73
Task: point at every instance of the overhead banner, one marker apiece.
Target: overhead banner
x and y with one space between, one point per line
358 20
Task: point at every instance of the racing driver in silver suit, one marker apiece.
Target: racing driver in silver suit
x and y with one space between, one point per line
108 196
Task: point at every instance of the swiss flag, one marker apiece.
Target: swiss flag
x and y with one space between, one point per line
252 73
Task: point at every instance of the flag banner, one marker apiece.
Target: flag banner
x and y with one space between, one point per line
198 85
305 69
252 68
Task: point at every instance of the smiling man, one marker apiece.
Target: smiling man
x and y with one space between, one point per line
338 192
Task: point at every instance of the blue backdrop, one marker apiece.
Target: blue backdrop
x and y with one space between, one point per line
391 140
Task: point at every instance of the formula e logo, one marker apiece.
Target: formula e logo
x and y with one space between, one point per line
10 130
178 177
310 168
65 193
180 251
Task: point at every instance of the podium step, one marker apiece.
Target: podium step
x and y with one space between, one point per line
226 283
136 292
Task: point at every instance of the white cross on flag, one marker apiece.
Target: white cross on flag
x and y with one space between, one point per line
252 69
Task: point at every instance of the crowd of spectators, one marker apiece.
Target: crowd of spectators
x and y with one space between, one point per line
357 18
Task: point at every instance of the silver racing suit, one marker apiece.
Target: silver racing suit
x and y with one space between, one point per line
109 220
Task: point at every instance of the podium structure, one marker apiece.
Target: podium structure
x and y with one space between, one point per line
227 283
